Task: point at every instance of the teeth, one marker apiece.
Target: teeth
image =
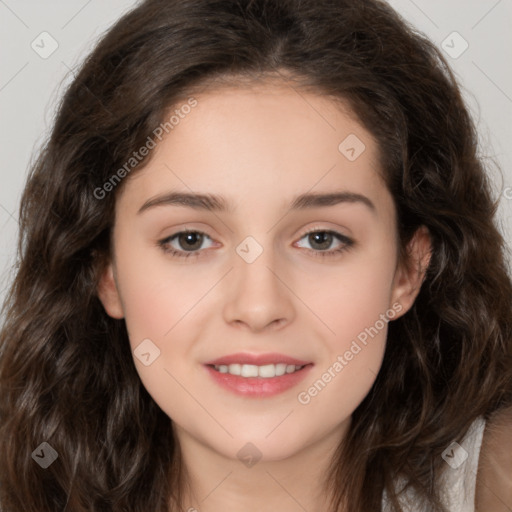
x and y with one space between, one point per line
249 370
234 369
280 369
266 371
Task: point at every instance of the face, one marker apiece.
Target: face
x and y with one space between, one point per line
290 267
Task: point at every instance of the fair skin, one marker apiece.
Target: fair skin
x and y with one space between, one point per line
259 148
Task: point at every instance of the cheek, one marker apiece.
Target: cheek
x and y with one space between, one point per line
157 297
337 388
354 297
357 311
161 306
352 355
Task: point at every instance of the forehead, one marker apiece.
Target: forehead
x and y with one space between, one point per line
270 139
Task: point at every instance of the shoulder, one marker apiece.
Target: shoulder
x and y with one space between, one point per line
494 477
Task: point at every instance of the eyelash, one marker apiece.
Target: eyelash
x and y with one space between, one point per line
347 243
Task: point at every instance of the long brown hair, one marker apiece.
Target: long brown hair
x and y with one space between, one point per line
67 375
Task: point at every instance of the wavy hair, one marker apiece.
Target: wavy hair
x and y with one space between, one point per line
67 375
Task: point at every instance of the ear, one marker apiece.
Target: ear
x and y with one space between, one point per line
410 274
109 294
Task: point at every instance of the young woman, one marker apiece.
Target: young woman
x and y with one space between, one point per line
258 270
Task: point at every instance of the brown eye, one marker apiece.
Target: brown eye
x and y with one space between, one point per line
184 243
320 241
190 241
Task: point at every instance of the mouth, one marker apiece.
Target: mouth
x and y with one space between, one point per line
258 380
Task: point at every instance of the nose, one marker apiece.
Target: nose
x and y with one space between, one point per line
258 296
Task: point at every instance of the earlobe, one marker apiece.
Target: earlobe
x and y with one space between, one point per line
109 294
410 275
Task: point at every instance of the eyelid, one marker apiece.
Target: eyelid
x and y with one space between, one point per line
324 229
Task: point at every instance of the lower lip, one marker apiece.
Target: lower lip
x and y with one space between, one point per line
258 387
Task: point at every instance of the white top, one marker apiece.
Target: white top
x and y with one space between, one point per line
459 478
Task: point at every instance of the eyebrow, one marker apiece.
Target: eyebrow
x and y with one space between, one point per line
215 203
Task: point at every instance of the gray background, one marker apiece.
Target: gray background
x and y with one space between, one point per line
31 82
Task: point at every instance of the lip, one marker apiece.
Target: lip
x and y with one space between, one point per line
256 359
257 387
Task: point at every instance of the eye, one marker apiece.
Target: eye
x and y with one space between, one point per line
185 244
322 239
190 242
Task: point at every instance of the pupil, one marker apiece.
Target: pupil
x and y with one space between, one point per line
325 239
188 238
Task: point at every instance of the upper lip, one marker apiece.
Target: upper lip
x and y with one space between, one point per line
256 359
